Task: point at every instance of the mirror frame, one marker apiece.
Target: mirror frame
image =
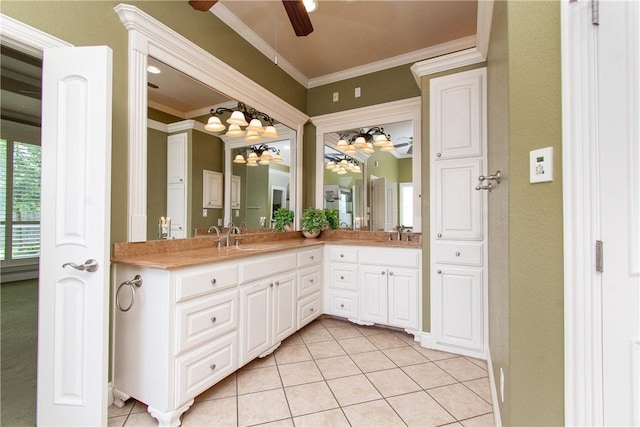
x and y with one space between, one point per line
375 115
149 37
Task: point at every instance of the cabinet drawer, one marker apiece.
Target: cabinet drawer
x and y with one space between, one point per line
310 257
308 309
266 266
391 257
342 303
199 369
197 281
458 253
343 277
308 281
203 319
342 254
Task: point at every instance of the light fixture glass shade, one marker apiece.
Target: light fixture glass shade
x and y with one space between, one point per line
239 159
342 172
266 155
330 165
270 132
253 157
237 118
252 163
357 169
234 131
252 136
388 147
360 142
369 148
350 150
263 161
214 124
277 158
342 144
255 125
380 140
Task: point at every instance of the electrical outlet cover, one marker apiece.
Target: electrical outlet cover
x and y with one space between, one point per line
541 165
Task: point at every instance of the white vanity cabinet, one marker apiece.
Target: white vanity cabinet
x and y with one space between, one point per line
341 281
179 337
309 285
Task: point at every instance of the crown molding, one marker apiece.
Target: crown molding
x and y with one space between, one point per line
26 38
470 56
156 125
165 109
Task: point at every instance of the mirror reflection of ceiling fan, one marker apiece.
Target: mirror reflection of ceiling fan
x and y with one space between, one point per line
408 143
296 11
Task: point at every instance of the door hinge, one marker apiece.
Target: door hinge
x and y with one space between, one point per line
595 12
599 256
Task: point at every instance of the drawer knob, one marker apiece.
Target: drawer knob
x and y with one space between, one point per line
383 272
341 255
439 234
311 257
341 277
310 280
391 273
213 281
213 319
439 155
439 271
271 285
341 305
311 309
457 253
212 366
277 283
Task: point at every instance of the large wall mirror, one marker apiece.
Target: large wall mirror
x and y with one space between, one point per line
378 190
148 38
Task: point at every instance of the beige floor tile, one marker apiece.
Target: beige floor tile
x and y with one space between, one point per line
372 361
384 341
316 335
406 337
299 373
253 380
357 345
335 323
225 388
428 375
219 412
460 401
434 355
309 398
321 350
480 387
480 363
419 409
352 390
392 382
114 411
292 354
372 330
141 419
294 339
288 422
337 367
344 332
331 418
119 421
482 421
139 407
262 407
260 362
372 414
403 356
461 369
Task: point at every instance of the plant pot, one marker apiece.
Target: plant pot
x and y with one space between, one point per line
310 235
288 227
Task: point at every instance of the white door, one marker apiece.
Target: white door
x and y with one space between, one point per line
373 294
255 325
284 304
403 298
73 316
176 158
619 145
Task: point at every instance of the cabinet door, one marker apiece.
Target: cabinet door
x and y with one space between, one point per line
236 185
457 308
457 108
176 158
176 209
284 304
373 294
458 205
255 327
403 298
212 189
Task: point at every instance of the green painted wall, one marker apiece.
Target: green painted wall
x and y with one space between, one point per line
405 170
156 180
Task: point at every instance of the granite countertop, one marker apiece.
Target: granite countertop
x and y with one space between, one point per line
171 254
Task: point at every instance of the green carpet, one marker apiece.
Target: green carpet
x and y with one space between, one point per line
19 326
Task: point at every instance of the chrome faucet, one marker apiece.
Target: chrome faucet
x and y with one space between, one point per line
233 230
217 230
399 231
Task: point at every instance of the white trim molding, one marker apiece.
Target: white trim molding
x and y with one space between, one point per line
473 55
149 37
25 38
497 420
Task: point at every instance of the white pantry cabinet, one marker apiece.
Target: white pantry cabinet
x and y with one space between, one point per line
177 184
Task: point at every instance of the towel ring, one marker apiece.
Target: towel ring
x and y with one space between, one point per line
133 283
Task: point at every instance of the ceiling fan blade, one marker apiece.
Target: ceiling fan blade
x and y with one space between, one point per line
401 145
299 17
202 5
410 150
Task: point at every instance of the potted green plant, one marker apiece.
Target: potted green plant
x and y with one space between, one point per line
313 221
332 218
283 219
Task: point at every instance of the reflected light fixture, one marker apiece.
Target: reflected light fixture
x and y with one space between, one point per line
342 165
259 155
352 141
242 116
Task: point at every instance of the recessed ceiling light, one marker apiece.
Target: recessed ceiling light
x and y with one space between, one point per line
153 69
310 5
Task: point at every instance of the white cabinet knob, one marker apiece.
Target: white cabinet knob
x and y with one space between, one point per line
212 366
391 273
213 281
213 319
457 253
341 305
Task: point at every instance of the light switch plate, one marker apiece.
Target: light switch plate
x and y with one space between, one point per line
204 213
541 165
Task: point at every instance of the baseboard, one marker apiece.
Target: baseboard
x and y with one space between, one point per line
425 339
497 421
110 397
17 273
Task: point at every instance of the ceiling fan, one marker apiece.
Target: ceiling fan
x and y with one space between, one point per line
295 10
409 143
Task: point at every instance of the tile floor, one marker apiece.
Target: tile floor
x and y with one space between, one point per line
335 373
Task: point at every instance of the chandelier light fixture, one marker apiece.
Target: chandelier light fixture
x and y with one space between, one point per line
362 140
343 165
249 118
259 155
